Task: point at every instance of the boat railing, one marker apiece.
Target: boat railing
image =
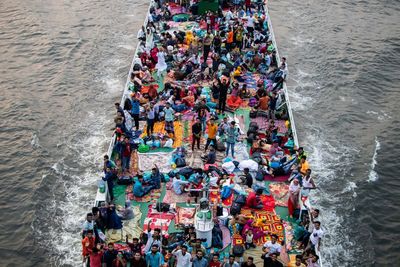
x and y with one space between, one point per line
292 123
103 197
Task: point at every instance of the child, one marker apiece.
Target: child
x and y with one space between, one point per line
249 242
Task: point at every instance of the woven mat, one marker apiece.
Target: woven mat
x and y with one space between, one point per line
272 224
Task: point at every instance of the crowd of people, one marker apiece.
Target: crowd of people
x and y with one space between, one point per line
225 46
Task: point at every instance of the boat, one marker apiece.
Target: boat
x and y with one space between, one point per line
203 215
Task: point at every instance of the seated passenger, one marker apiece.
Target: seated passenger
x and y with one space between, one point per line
211 157
155 178
254 199
179 185
272 247
139 190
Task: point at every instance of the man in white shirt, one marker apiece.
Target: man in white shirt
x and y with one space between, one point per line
178 185
272 246
316 235
182 257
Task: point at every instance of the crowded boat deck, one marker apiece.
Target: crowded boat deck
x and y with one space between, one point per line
204 167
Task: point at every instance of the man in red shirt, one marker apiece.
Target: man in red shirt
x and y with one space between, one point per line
87 244
254 199
215 261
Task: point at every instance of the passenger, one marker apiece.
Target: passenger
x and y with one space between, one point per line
169 119
231 262
182 256
199 260
271 260
154 258
135 245
211 157
232 135
212 129
293 201
109 178
249 240
139 189
87 245
179 185
126 154
248 263
120 261
247 178
155 177
96 256
113 221
196 133
316 236
298 262
109 256
108 163
138 260
215 261
223 126
151 115
88 225
154 238
254 199
303 165
272 247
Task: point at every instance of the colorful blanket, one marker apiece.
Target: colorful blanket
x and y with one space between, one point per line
147 161
272 223
170 196
159 128
280 192
161 223
154 194
185 215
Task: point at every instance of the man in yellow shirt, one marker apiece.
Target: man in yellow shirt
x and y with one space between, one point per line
212 129
303 165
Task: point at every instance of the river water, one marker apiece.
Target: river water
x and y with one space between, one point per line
64 64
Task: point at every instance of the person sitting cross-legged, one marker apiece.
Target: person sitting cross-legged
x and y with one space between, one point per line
139 189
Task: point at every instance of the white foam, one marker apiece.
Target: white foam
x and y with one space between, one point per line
114 85
35 141
373 175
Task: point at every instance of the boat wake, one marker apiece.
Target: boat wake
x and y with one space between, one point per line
373 175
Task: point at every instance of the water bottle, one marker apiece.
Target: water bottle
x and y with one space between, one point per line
102 186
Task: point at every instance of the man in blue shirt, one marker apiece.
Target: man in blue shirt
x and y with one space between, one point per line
139 190
154 258
109 178
135 111
199 260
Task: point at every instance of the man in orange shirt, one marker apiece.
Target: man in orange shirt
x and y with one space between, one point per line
229 40
212 129
87 244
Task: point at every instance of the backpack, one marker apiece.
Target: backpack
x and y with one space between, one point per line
226 192
260 175
180 162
